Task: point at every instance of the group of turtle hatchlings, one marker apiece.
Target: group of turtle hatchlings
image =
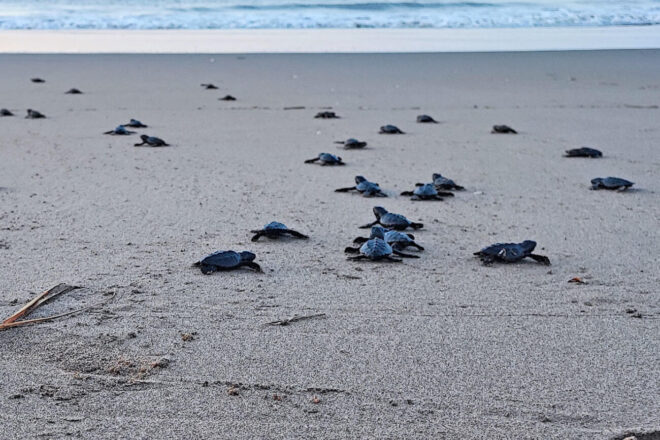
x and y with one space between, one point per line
387 241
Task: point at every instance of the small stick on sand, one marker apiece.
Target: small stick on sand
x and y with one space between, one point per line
41 299
295 319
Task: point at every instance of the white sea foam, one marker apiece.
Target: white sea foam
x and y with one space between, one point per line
234 14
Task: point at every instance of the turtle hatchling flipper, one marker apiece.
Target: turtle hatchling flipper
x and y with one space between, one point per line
206 268
312 160
407 193
445 194
415 245
253 265
485 259
357 258
297 234
343 190
257 235
403 254
540 258
392 259
352 250
140 144
360 240
368 225
416 225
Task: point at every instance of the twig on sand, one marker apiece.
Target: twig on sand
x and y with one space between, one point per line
41 299
295 319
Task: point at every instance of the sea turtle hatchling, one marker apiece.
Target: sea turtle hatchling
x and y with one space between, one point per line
503 129
613 183
398 240
583 152
5 112
227 260
152 141
376 249
326 115
119 130
134 123
442 182
391 221
426 191
73 91
510 253
33 114
426 119
352 144
227 98
210 86
390 129
37 80
276 230
326 159
364 187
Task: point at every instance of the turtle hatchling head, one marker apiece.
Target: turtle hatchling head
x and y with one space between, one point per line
528 245
378 232
437 176
360 179
247 256
379 211
144 137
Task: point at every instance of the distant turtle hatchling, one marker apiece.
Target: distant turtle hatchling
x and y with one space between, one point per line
120 130
398 240
73 91
390 129
510 253
442 182
612 183
210 86
227 98
364 187
152 141
426 119
326 115
33 114
276 230
227 260
326 159
426 191
5 112
391 221
37 80
352 144
134 123
583 152
376 249
503 129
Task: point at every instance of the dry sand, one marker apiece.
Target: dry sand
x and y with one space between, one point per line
440 347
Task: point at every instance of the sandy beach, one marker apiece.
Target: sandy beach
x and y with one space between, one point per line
439 347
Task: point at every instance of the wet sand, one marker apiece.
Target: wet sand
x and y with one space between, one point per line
440 347
361 40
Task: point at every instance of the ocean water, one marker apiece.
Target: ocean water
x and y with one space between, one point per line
233 14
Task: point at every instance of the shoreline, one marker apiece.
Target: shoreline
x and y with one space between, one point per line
329 40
